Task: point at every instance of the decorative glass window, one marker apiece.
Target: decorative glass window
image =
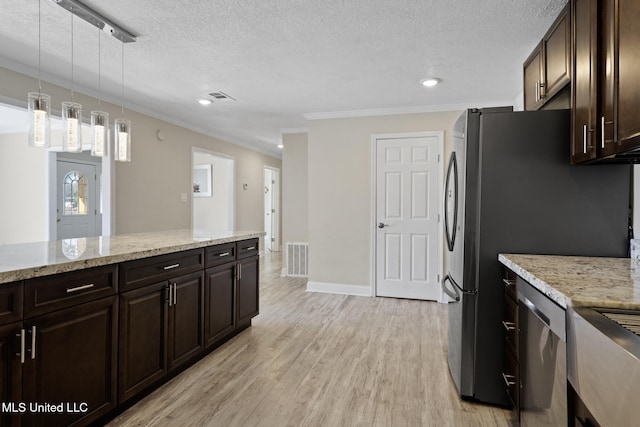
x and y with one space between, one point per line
74 193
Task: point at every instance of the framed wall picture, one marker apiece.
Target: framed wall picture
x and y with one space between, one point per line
202 180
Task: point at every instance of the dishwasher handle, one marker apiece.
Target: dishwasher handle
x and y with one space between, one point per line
536 311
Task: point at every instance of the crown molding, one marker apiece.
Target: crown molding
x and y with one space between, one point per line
286 131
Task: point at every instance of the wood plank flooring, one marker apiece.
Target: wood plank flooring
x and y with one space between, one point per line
315 359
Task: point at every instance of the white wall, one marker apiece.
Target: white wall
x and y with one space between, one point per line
339 174
24 210
214 213
295 188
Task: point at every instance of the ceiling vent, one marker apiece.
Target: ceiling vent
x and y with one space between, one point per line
221 96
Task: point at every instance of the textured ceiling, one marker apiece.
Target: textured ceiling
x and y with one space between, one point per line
284 59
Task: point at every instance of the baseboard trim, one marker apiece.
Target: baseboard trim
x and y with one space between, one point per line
283 272
338 288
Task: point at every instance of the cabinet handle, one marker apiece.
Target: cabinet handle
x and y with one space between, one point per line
537 90
170 296
602 131
33 342
224 254
239 271
508 283
250 248
80 288
172 266
509 326
509 380
175 293
584 139
542 86
22 345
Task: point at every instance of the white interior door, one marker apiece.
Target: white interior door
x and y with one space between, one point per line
271 208
77 192
408 174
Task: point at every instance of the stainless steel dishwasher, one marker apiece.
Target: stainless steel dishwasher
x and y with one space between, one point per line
543 359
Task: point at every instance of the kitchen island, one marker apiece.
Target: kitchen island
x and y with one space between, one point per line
90 325
572 330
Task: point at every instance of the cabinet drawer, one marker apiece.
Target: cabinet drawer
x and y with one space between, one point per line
50 293
10 302
138 273
510 324
509 281
511 380
247 248
220 254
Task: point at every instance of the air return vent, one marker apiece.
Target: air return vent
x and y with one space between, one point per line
221 96
297 259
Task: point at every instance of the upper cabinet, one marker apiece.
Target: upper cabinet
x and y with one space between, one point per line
606 87
548 68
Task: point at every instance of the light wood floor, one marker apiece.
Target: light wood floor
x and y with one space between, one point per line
315 359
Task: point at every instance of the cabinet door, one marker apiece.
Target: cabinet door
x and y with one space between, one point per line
609 87
143 338
220 312
583 135
10 372
247 290
533 69
185 318
557 56
628 62
72 360
11 296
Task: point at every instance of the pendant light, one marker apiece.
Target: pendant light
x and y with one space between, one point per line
71 116
122 134
99 121
39 108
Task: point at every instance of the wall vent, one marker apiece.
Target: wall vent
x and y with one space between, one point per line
298 259
221 96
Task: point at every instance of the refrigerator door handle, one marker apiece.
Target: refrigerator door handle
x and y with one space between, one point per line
453 292
453 168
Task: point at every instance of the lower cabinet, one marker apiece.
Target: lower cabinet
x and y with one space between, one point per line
160 329
70 361
247 290
10 372
220 297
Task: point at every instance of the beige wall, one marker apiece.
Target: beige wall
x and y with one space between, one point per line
339 173
294 188
213 213
148 191
24 172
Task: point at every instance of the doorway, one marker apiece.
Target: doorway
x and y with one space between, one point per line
212 190
271 209
407 248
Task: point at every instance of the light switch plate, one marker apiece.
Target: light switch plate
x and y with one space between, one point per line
183 197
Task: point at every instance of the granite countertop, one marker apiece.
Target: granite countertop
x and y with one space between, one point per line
28 260
580 281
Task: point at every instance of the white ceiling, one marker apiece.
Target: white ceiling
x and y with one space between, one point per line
283 60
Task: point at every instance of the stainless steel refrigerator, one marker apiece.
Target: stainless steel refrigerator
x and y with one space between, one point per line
511 189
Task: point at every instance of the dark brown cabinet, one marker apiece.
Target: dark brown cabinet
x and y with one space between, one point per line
160 330
247 290
606 91
548 69
143 339
71 360
220 297
510 329
10 373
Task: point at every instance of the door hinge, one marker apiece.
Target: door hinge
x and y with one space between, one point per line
438 277
273 211
438 217
438 158
273 181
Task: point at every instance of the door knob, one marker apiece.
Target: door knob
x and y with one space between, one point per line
382 225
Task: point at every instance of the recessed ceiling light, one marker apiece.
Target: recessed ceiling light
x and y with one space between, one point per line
430 82
280 146
204 101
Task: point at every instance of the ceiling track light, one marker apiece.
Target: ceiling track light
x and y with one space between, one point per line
94 18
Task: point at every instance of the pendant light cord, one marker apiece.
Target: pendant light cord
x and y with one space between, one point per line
71 54
39 49
122 105
99 68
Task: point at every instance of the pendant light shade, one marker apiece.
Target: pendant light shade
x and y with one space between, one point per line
122 136
99 133
71 127
39 109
